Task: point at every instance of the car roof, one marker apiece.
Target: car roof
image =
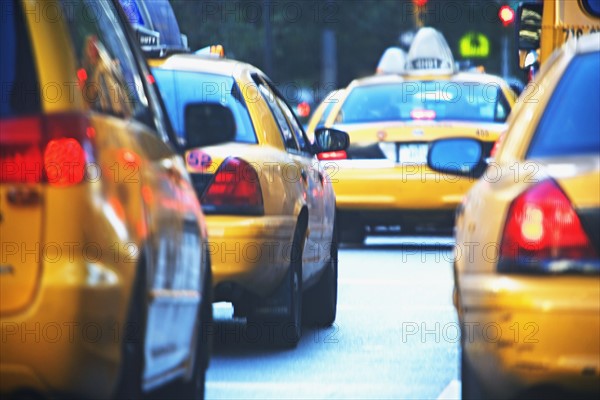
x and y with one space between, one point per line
457 77
208 64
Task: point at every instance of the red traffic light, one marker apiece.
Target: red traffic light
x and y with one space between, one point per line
420 3
506 14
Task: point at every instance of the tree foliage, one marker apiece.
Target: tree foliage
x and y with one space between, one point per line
363 29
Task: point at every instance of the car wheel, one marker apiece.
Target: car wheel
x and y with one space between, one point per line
470 386
320 302
285 331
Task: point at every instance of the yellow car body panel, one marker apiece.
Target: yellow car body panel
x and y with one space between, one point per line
523 331
252 252
71 255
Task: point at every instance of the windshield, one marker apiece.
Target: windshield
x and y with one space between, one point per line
180 88
429 100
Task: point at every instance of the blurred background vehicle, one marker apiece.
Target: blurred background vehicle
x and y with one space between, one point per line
320 114
529 235
104 283
382 179
155 26
543 26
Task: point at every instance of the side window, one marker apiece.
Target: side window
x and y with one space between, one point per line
287 134
20 94
107 74
296 129
502 107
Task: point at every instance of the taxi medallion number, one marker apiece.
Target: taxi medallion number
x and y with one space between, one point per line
413 153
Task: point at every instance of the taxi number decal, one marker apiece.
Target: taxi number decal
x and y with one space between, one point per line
577 32
198 160
484 133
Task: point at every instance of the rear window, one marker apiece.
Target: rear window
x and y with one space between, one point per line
180 88
19 85
592 6
435 100
571 122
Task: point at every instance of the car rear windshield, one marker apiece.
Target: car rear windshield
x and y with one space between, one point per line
433 100
180 88
570 124
19 84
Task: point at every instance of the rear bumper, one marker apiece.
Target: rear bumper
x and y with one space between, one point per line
519 333
248 254
397 191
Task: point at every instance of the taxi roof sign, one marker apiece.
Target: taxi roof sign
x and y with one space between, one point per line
429 53
392 61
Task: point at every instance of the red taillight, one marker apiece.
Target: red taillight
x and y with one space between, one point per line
43 149
420 114
235 189
64 162
541 227
332 155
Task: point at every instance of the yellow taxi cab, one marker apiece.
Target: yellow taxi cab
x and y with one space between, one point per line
270 206
319 116
383 178
527 265
104 284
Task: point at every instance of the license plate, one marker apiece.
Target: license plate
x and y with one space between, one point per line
413 154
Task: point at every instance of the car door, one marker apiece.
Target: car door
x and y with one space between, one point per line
141 173
303 171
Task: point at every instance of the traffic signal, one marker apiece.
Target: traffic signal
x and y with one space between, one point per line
420 3
506 15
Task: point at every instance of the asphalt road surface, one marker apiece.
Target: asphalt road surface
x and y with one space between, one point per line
396 334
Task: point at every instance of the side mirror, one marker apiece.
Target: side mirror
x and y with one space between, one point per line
329 139
528 26
207 124
516 86
458 156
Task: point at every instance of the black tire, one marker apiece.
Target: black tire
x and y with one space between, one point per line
286 331
132 364
320 302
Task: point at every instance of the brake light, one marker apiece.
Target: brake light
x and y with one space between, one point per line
235 189
64 162
43 149
420 114
542 228
332 155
